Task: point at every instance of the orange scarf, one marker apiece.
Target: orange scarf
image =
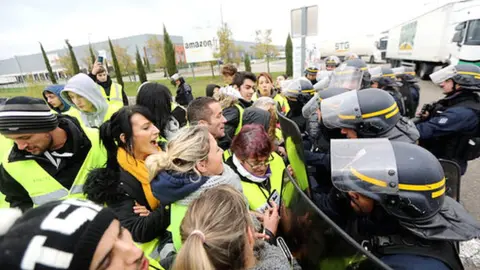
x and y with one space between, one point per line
138 169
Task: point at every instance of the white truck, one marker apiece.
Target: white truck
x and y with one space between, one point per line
369 47
446 35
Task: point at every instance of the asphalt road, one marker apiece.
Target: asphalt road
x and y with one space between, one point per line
470 186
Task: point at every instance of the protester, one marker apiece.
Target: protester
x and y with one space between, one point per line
191 164
278 83
51 156
244 82
51 94
265 88
184 90
211 90
225 237
228 97
259 167
129 137
169 117
113 92
83 94
207 111
71 234
266 118
228 72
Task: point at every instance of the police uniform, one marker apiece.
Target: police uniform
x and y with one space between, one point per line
451 131
412 224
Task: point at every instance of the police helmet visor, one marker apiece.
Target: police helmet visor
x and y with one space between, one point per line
293 88
346 77
341 111
375 72
366 166
443 74
323 74
311 107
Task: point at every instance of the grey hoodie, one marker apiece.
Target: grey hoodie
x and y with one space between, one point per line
271 257
84 86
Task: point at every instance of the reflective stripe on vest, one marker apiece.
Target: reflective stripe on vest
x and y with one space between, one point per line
255 196
42 187
150 251
116 97
240 120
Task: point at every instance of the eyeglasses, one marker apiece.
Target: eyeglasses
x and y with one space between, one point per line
260 164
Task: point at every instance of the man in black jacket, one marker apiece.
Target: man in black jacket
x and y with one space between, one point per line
100 76
49 150
184 91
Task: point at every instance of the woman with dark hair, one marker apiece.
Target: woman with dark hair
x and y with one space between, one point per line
259 167
124 185
168 116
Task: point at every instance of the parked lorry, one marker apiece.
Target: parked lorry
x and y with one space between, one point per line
369 47
446 35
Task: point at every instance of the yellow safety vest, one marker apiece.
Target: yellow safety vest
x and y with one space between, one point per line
240 120
150 249
42 187
5 145
258 196
254 96
177 213
283 102
116 97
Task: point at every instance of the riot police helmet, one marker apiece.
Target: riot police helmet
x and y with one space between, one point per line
370 112
404 178
360 64
332 62
298 90
467 76
350 56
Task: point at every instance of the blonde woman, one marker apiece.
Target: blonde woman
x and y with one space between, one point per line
224 237
191 164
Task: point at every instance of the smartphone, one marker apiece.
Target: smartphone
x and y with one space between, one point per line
274 197
100 59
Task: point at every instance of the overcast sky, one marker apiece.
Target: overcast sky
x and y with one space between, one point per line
24 23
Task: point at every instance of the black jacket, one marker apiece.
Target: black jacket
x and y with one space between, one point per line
184 94
77 143
232 114
120 191
107 85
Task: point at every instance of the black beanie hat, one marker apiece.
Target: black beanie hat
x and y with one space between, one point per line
21 115
55 235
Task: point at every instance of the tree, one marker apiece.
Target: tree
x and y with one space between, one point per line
92 54
125 60
118 72
289 56
248 67
66 62
169 53
75 67
157 50
263 47
47 64
140 69
227 48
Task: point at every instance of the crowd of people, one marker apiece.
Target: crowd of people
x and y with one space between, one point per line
212 182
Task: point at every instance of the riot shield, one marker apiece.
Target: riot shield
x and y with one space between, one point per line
408 100
294 147
452 176
314 239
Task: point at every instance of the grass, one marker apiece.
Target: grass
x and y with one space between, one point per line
198 87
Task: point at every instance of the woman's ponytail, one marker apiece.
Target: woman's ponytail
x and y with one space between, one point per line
156 163
193 255
108 140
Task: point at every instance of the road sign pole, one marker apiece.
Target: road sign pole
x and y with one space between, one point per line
304 35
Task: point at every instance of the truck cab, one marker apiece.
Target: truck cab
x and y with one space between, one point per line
465 46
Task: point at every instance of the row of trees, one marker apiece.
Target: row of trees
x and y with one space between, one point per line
164 55
120 59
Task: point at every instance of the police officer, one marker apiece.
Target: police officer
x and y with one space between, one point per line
449 127
51 156
298 92
332 62
362 66
311 74
409 89
368 113
350 56
184 90
392 196
384 78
